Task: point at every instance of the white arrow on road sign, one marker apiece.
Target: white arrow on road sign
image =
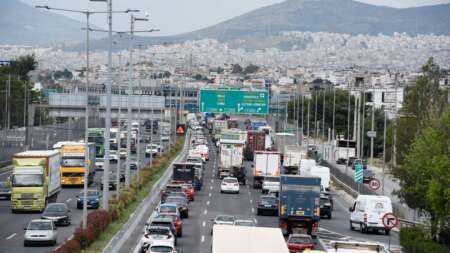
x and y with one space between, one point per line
390 221
359 173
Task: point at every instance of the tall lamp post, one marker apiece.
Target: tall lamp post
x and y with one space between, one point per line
86 124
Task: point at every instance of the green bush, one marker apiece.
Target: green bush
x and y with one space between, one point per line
416 240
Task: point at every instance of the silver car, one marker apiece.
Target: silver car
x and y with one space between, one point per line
40 232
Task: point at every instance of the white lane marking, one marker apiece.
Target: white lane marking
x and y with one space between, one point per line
205 212
249 193
207 203
203 238
253 210
212 181
209 195
68 200
251 201
203 224
11 236
256 221
211 187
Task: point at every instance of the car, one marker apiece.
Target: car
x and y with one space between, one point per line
92 200
161 247
367 213
223 219
194 159
351 160
123 153
113 157
112 183
368 175
170 188
299 242
151 150
247 223
229 184
325 206
156 233
176 220
133 164
99 162
271 184
39 231
267 204
182 204
59 213
5 190
168 208
163 222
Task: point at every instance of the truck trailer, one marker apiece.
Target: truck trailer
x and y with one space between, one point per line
265 163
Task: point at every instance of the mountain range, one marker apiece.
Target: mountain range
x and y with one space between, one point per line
337 16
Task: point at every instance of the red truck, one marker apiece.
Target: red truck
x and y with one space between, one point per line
256 141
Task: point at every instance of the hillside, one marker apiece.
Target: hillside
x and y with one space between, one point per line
22 24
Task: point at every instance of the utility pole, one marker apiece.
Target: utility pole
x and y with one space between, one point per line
384 151
333 132
307 119
371 138
394 148
363 119
323 115
358 122
315 117
348 126
129 107
302 116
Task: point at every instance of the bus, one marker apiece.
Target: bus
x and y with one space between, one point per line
97 136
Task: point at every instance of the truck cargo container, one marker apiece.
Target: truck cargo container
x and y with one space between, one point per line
35 180
186 173
292 155
299 210
265 163
256 141
230 156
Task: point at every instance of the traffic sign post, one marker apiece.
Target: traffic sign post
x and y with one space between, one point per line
390 221
374 184
234 101
359 173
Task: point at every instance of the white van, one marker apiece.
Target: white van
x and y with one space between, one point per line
324 174
367 213
306 165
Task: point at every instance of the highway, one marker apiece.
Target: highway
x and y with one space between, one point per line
12 232
209 202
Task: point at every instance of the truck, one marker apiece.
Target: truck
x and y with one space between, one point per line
185 172
231 154
97 136
256 141
282 140
324 174
218 126
299 209
35 180
292 155
344 149
73 159
244 239
265 163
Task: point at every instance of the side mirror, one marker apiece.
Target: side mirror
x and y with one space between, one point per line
350 209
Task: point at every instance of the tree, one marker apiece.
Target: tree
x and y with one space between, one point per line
236 69
425 181
251 68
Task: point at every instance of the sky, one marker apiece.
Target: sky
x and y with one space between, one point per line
179 16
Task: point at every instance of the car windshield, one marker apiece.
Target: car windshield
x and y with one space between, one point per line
173 188
161 249
175 194
72 174
161 224
158 231
176 200
225 218
167 209
230 180
99 159
72 162
272 179
56 208
269 201
244 223
29 180
167 216
300 240
39 225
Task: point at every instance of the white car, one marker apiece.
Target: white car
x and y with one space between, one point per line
123 153
113 157
40 232
161 247
151 150
229 184
271 184
156 234
99 162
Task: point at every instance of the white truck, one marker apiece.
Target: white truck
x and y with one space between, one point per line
292 155
35 179
231 154
324 174
306 165
242 239
265 164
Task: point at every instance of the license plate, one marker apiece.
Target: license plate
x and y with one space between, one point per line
300 212
267 205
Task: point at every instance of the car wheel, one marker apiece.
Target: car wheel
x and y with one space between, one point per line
258 212
25 243
180 234
362 228
387 231
329 215
237 192
54 243
351 226
221 191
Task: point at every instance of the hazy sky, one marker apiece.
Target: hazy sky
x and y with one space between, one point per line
178 16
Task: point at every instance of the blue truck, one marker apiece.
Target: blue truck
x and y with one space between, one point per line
299 209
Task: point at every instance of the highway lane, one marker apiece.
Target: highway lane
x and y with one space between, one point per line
11 232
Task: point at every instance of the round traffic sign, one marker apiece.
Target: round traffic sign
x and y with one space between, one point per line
390 220
374 184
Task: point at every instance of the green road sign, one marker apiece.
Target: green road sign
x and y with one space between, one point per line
234 101
359 173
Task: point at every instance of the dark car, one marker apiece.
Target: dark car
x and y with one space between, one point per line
325 206
181 202
176 220
59 213
163 222
5 190
112 184
267 204
351 160
93 199
170 188
368 175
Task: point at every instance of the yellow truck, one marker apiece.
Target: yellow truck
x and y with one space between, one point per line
35 180
73 162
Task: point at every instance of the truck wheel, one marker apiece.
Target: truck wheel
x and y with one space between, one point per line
351 226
